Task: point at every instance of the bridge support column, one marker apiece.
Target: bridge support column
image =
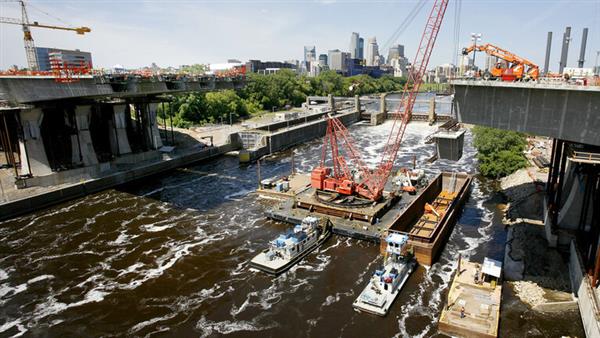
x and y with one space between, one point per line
152 126
431 114
33 154
331 101
380 116
382 105
357 105
82 118
118 136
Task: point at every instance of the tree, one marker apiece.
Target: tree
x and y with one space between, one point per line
500 152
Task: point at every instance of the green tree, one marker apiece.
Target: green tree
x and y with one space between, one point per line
500 152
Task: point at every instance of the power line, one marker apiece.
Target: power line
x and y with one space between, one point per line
457 17
404 24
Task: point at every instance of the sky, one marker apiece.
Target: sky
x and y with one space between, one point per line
136 33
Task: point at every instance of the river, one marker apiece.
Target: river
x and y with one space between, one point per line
166 257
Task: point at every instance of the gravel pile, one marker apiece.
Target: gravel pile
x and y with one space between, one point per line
529 292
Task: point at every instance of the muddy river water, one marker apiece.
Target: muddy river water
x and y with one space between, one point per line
166 257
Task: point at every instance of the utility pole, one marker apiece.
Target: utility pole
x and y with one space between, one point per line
474 38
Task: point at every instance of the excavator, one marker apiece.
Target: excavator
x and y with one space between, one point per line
510 67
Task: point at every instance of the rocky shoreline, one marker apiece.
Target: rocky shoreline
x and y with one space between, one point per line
537 274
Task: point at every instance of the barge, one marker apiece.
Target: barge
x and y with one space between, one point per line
429 219
473 305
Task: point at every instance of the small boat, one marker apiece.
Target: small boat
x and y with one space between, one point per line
386 283
473 308
290 248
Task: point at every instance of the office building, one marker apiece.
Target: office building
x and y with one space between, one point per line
310 53
396 51
323 60
338 60
361 49
354 45
372 52
52 58
257 66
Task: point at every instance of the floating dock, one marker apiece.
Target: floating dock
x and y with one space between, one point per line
473 308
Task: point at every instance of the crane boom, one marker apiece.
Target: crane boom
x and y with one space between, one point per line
518 63
499 53
373 181
35 24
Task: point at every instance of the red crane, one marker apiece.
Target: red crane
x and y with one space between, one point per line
366 182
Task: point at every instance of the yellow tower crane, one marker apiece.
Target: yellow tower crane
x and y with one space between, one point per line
32 60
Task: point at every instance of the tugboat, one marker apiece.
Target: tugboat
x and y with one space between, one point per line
288 249
386 283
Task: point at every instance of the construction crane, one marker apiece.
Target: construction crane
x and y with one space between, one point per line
512 66
32 60
366 182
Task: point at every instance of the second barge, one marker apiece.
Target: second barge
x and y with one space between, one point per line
429 219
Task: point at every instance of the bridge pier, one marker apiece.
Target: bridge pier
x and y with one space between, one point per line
86 146
34 160
380 117
118 135
153 133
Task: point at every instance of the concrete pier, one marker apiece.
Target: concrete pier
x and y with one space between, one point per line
34 158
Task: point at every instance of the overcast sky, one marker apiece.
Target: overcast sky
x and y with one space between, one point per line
136 33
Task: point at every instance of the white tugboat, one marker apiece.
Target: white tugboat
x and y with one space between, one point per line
385 284
288 249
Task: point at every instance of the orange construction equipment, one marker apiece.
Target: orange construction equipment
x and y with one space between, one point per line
510 68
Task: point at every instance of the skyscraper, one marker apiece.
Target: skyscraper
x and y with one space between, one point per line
372 52
323 60
361 48
395 52
338 60
354 45
310 53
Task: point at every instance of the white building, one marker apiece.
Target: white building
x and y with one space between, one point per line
372 52
400 66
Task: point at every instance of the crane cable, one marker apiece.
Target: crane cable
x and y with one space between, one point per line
404 24
457 14
29 5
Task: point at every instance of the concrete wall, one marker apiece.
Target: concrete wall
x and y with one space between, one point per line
588 306
287 138
567 113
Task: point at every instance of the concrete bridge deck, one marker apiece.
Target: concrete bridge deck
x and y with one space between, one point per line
562 111
35 89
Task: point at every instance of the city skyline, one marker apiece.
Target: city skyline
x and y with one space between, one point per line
274 31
